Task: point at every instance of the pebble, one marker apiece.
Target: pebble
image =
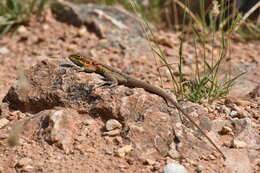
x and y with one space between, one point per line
257 162
22 29
238 144
82 31
109 153
199 168
3 122
174 168
174 154
113 132
121 152
233 113
241 112
72 47
113 124
226 131
227 144
223 109
210 110
137 128
4 50
212 157
46 27
27 168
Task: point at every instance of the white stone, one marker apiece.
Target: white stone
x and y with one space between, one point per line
4 50
113 124
233 113
174 168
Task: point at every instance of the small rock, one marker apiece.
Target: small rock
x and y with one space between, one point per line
130 161
174 168
210 110
199 168
27 168
233 113
241 112
113 132
174 154
82 31
227 144
257 162
113 124
172 146
212 157
60 129
178 125
223 109
121 152
238 144
226 131
46 27
22 29
145 2
4 50
91 150
3 122
191 162
136 128
72 47
109 153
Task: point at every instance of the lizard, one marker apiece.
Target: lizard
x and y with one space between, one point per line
114 77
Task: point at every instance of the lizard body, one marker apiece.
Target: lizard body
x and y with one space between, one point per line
115 77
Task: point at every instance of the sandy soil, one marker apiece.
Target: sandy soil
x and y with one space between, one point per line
89 150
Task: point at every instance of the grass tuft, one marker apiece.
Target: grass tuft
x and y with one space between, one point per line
14 13
207 83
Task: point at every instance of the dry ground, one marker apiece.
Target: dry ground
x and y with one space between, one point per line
51 40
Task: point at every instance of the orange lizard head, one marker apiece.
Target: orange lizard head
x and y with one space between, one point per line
87 63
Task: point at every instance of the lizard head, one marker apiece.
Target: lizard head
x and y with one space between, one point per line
87 63
78 60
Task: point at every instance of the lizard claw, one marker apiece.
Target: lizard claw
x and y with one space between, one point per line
112 84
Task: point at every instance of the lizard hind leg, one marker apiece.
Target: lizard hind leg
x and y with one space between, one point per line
110 84
112 81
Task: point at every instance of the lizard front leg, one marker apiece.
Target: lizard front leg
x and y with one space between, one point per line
111 81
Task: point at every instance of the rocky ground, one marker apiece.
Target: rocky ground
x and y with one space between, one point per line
80 129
